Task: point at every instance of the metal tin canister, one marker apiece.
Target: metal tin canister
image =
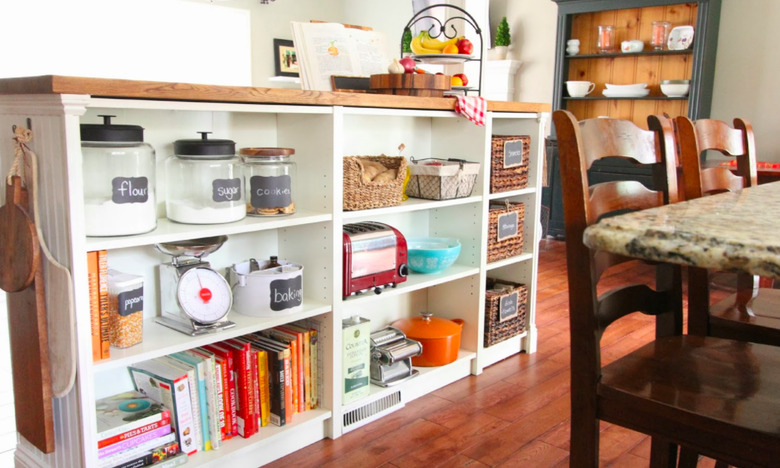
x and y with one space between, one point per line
355 359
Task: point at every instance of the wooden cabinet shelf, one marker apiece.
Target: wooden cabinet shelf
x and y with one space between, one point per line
645 98
688 51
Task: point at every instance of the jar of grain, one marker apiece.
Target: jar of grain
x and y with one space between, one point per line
125 309
269 178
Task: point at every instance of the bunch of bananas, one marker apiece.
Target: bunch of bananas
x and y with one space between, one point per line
425 44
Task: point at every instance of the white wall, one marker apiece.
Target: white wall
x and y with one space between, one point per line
165 40
747 71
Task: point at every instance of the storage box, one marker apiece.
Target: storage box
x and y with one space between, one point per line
505 306
441 179
509 162
361 192
505 230
125 309
266 292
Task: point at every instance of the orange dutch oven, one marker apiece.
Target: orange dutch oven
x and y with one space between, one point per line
440 338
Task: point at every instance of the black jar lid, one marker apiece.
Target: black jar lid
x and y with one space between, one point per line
111 132
205 148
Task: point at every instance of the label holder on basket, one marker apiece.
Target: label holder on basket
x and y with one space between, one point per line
507 224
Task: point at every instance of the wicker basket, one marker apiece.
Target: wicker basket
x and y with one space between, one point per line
362 195
453 178
511 174
503 244
503 324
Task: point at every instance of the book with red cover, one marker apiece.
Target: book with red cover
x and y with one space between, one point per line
254 379
247 418
228 379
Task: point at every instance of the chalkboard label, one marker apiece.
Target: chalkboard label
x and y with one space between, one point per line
507 307
513 153
271 192
286 293
130 302
129 190
226 190
507 226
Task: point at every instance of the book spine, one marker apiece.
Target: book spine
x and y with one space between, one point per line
222 403
255 384
243 368
94 304
176 460
150 457
105 341
298 366
135 452
126 428
288 391
277 391
315 375
134 441
262 380
231 415
105 441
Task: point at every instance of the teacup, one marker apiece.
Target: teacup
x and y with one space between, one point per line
634 45
580 88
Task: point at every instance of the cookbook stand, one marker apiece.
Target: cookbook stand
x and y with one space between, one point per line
439 30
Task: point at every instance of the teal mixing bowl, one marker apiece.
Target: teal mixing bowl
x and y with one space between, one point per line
432 254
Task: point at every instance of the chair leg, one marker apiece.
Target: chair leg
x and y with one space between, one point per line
663 454
688 458
584 449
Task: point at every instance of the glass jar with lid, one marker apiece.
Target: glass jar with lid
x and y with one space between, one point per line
269 177
203 182
119 179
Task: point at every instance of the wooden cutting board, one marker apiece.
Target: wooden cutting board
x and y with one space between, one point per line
410 84
28 328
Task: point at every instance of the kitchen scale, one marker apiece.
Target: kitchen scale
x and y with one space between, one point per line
195 298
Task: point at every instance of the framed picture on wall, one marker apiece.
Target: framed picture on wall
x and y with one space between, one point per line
286 60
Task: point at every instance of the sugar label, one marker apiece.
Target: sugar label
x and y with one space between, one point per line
226 190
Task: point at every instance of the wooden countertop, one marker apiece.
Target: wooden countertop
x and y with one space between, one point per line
116 88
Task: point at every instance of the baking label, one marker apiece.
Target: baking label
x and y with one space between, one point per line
226 190
271 192
507 307
129 190
130 302
286 293
507 226
513 153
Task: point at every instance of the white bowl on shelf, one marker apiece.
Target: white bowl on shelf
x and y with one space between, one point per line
675 88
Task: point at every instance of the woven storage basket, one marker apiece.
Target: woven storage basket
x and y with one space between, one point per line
362 195
512 174
452 178
496 329
507 246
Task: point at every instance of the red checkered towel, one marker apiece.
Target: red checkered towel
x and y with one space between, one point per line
473 108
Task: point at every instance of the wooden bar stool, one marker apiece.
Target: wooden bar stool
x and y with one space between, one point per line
717 397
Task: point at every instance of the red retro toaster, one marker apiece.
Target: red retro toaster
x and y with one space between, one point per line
374 257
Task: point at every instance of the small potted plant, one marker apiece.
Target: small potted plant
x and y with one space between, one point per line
502 41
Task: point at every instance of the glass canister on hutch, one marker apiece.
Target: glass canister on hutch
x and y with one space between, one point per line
269 178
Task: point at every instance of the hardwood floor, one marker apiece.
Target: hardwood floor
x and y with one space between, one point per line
515 414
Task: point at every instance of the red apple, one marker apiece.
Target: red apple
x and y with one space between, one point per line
463 78
408 63
465 46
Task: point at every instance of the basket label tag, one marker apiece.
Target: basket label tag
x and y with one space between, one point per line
507 307
513 153
507 226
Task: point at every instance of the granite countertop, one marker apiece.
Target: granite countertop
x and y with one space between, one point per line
728 231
